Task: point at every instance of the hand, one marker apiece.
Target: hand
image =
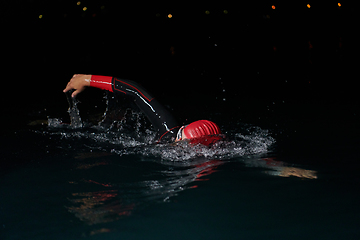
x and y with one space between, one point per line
78 82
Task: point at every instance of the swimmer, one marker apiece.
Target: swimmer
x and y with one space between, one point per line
199 132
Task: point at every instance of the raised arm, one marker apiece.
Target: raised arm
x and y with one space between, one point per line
163 122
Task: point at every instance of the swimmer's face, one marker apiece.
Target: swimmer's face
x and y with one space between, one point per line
181 136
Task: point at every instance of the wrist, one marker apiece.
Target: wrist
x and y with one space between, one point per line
87 80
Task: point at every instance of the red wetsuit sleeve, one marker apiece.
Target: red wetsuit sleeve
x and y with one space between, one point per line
102 82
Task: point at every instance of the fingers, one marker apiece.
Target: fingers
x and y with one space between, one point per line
70 84
67 88
76 92
78 82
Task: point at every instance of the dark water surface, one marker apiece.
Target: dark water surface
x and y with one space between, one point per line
289 181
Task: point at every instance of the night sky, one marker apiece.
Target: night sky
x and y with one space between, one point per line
266 46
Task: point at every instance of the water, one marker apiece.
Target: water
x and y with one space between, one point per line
108 180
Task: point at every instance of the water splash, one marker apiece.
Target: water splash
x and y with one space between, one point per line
143 143
74 113
258 142
126 133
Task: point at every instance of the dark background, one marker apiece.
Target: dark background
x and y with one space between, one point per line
292 68
309 52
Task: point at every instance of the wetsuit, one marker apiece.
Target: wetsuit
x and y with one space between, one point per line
163 122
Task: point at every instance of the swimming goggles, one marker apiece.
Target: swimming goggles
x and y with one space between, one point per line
179 134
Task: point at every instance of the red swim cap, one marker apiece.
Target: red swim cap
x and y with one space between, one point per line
201 128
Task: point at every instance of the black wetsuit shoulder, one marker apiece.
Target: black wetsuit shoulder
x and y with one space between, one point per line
162 120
